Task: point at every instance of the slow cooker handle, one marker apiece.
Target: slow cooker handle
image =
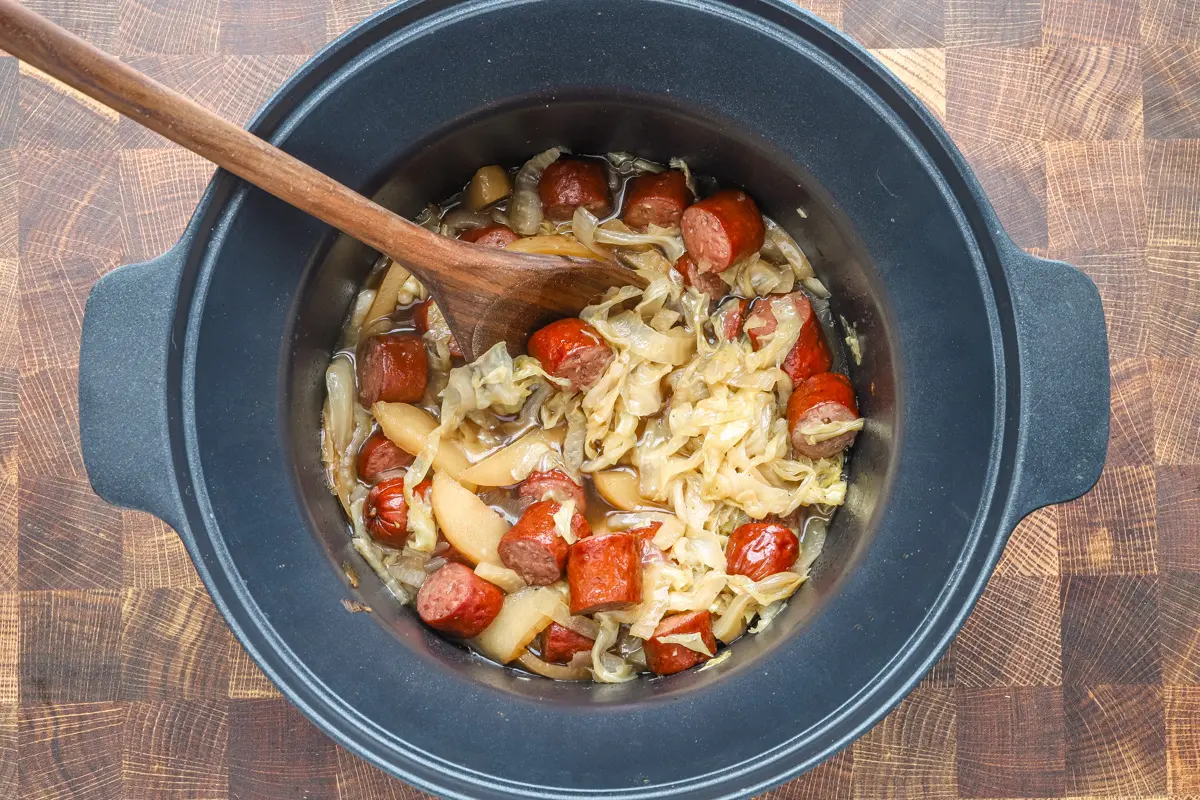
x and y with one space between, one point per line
1062 347
124 354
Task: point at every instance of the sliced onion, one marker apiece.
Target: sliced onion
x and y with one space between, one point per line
732 622
812 544
553 244
620 159
553 606
339 383
558 672
430 218
464 219
692 641
505 578
779 245
525 208
615 233
682 166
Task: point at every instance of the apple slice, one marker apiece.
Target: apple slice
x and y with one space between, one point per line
520 619
466 521
512 464
409 427
620 488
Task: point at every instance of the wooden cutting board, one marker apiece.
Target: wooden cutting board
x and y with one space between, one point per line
1077 675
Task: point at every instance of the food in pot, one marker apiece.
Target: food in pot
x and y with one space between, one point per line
570 183
651 481
721 230
656 199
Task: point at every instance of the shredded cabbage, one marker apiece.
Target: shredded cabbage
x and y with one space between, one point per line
780 246
681 165
607 667
712 662
767 616
692 641
686 401
422 528
562 521
587 228
814 433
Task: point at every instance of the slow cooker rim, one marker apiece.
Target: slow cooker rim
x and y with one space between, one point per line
220 204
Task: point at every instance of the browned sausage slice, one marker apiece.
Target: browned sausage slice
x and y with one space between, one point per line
497 236
385 512
604 573
392 368
458 602
569 183
656 199
650 552
721 230
668 658
571 349
533 548
562 644
759 549
378 455
553 484
827 397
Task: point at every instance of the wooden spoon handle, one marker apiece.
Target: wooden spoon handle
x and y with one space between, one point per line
58 52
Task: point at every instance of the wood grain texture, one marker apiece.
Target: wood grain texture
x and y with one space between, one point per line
1078 673
1011 742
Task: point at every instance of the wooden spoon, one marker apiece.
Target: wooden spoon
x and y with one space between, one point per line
486 295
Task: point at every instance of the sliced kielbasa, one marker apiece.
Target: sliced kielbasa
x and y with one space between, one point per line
824 398
721 230
759 549
378 455
552 484
650 552
428 317
561 644
456 601
392 368
533 547
668 658
571 349
810 355
656 199
604 573
497 236
385 511
569 183
708 283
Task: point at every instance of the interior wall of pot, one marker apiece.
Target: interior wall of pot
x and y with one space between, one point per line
650 127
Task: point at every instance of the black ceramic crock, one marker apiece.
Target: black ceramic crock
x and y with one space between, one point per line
984 378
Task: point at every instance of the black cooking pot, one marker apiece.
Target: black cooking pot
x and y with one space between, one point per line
984 380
